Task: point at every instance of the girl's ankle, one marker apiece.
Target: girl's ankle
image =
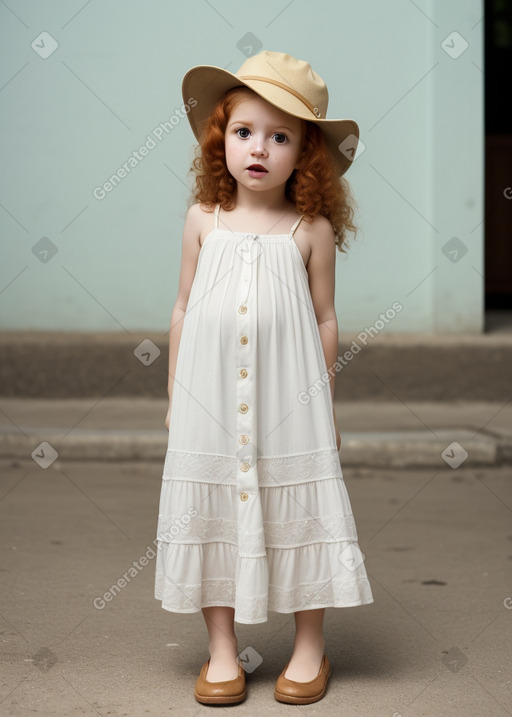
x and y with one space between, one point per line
223 650
308 644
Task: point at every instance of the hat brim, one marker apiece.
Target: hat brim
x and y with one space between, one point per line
207 83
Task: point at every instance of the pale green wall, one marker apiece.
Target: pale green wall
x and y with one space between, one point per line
70 121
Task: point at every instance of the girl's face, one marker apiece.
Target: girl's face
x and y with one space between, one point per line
259 133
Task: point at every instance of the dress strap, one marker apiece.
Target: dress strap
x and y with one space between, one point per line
292 230
217 216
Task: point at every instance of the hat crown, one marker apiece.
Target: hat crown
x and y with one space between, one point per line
296 76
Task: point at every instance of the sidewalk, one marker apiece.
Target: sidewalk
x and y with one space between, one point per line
428 477
379 435
435 642
435 538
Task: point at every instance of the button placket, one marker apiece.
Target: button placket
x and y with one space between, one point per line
246 362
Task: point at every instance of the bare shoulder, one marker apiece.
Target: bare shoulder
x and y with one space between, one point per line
321 268
191 247
195 227
201 215
315 238
198 211
320 231
202 208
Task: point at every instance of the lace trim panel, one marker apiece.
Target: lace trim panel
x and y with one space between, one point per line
332 528
274 471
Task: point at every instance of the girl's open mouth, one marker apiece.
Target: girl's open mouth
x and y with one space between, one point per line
257 170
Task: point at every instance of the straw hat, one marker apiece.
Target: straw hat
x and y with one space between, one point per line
287 83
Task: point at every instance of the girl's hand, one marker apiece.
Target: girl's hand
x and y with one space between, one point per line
168 417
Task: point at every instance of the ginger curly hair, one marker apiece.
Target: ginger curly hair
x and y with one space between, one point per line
314 187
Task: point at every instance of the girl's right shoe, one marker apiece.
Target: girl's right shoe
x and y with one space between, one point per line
224 693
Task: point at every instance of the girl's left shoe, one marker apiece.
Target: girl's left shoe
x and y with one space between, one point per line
303 693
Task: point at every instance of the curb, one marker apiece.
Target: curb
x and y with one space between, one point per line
417 367
439 449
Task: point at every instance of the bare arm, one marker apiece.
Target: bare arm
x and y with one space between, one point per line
189 256
321 271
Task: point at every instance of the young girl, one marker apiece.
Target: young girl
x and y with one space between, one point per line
254 514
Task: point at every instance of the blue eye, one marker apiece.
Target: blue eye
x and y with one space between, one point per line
242 129
280 134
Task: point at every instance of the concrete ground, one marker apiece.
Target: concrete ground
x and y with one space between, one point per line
436 641
79 490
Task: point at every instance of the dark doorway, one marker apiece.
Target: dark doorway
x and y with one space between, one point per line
498 155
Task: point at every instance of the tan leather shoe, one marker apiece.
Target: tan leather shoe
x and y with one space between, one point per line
303 693
227 692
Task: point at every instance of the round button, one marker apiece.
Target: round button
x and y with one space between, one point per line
244 467
243 439
244 496
243 408
244 340
242 309
243 372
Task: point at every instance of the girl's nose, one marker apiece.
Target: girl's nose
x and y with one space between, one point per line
259 147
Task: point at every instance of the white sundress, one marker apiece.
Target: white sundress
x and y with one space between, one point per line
254 512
